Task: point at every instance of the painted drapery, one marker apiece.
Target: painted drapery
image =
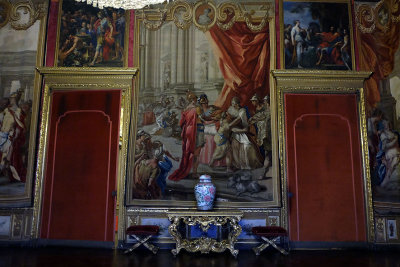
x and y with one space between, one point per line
243 58
377 50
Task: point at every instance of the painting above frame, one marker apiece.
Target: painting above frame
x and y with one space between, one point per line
200 109
22 46
316 35
91 37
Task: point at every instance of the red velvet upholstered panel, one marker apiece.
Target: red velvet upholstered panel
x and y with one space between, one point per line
324 168
269 231
81 166
142 230
52 33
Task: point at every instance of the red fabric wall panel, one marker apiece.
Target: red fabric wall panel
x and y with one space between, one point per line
51 33
81 166
324 168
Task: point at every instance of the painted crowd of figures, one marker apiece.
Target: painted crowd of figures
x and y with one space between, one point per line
91 39
384 150
311 48
234 139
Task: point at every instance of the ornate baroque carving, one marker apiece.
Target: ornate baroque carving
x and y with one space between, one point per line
15 10
378 16
182 14
248 18
224 15
205 220
227 15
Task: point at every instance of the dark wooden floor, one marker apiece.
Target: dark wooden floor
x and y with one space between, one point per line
71 257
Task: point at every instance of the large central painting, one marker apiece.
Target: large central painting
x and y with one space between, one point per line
204 106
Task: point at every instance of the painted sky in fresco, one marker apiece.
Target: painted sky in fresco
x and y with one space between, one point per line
304 16
15 41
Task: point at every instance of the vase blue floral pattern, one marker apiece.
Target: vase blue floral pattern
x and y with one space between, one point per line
205 193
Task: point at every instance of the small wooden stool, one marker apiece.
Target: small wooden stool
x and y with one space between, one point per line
142 233
269 234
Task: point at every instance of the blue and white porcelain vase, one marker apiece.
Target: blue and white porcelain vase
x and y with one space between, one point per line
205 193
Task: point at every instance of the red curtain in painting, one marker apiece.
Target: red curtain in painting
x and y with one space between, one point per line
377 50
243 58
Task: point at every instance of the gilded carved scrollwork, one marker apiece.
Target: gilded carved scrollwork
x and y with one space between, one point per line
21 15
205 222
205 244
154 24
249 19
227 15
378 16
395 11
34 12
365 18
204 14
182 14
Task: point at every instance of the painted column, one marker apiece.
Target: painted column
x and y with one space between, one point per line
180 65
174 50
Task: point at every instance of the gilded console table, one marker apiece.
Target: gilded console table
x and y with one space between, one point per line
205 219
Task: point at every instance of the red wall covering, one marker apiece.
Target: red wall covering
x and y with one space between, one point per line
324 168
81 166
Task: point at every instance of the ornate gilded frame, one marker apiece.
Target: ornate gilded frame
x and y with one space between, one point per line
255 15
324 82
196 7
350 27
34 12
72 79
126 38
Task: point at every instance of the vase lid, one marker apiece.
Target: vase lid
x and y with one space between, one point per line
205 177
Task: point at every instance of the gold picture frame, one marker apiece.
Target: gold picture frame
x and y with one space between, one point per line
320 51
90 51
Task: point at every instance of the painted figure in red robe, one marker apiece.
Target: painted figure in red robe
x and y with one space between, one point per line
192 139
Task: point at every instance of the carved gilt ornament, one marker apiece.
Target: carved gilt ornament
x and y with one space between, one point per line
22 14
204 14
381 15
